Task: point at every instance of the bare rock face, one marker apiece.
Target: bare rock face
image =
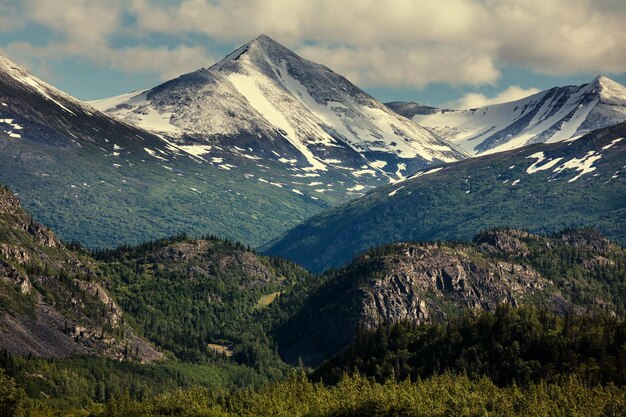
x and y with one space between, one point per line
10 207
42 235
507 242
42 326
201 258
14 252
248 263
114 312
15 277
183 252
427 282
586 239
9 204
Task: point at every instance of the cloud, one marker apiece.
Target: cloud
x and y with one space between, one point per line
374 42
167 62
555 37
473 100
398 67
10 18
85 29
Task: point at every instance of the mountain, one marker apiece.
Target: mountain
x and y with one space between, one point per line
553 115
574 270
104 182
277 117
197 300
201 299
542 187
52 302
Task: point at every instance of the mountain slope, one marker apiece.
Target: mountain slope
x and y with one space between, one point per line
540 187
549 116
576 269
264 104
103 182
52 303
200 298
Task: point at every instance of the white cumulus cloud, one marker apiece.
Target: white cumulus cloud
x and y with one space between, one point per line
473 100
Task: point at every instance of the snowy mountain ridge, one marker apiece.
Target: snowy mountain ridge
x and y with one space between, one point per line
266 99
553 115
97 173
49 92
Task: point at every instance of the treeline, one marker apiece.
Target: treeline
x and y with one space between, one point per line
510 346
66 384
445 395
135 251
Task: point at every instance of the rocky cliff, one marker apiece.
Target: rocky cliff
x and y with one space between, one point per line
51 303
574 270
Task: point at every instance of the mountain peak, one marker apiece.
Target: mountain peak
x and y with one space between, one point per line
263 38
610 91
6 62
602 79
258 49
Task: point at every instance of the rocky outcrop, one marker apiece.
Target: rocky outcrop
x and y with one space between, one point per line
10 207
432 282
95 290
63 313
507 242
585 239
202 256
248 263
9 203
182 252
426 282
42 235
14 252
14 277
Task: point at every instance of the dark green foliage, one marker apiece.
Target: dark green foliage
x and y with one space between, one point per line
83 197
463 198
182 300
64 384
12 397
510 346
446 395
582 263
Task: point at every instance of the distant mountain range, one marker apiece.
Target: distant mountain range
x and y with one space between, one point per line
553 115
244 149
542 187
204 299
104 182
264 139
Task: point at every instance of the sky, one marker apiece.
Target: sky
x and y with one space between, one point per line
446 53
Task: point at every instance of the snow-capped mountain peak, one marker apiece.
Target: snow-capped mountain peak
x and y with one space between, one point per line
280 107
560 113
609 91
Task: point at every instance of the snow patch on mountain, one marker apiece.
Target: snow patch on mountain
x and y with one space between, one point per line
583 165
540 158
11 128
